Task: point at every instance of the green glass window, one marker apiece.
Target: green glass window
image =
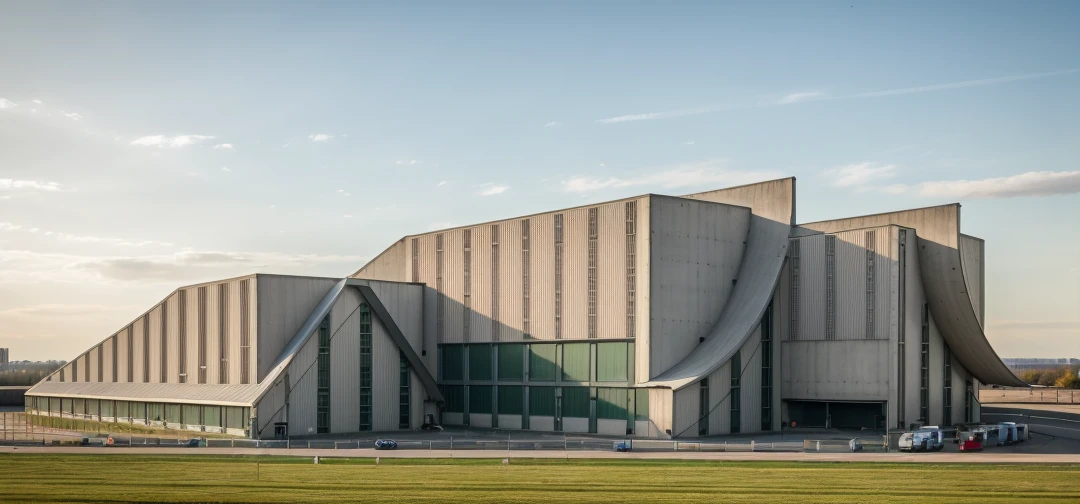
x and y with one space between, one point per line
766 369
542 401
575 402
511 399
479 399
192 414
542 362
453 362
236 417
611 403
172 413
480 363
364 389
611 359
322 415
404 396
736 373
575 362
212 416
641 404
155 412
454 398
511 362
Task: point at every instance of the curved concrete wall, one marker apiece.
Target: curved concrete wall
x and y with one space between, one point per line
772 206
942 272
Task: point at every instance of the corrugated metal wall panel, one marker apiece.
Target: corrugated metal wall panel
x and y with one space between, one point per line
454 286
611 271
392 264
542 277
138 348
123 338
404 303
234 321
750 383
695 258
575 293
213 333
303 391
812 288
108 352
719 400
480 324
850 292
643 298
385 379
155 344
972 252
253 330
93 364
661 406
510 282
284 304
687 411
344 359
172 328
193 334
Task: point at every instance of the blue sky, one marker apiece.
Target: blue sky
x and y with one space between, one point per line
146 145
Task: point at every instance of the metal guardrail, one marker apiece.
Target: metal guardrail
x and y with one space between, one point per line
1029 396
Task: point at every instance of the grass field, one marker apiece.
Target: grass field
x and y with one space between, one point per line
123 478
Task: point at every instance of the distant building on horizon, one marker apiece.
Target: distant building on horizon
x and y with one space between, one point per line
3 356
1020 364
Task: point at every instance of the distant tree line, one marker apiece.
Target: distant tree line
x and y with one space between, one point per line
14 374
1062 377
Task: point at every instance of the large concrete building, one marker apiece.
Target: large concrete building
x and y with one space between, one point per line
4 356
654 316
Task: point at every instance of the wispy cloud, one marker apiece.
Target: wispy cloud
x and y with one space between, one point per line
73 238
659 115
800 97
859 174
490 189
962 84
226 169
171 142
552 124
36 101
704 173
441 183
320 137
226 146
73 116
344 192
1040 183
20 266
408 162
6 104
346 216
691 142
31 185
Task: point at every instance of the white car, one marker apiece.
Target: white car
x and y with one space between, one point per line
923 439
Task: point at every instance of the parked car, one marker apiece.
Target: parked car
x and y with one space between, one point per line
929 438
971 440
624 446
1006 433
385 444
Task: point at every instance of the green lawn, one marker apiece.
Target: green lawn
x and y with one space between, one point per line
122 478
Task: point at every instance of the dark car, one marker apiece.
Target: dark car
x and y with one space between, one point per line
385 444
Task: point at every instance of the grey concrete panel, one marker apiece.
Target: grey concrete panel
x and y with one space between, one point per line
773 207
942 272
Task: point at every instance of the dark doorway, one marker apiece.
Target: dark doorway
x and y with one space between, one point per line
837 415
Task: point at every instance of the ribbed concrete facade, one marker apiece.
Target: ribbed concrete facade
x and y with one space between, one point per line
652 316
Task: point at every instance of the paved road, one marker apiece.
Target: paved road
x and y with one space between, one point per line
1055 428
